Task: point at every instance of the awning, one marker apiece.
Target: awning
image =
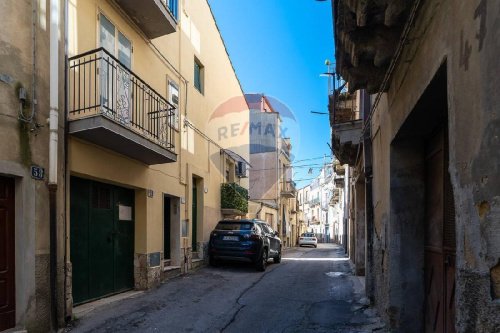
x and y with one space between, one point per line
236 157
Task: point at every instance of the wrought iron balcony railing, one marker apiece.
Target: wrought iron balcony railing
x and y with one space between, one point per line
343 107
314 202
100 85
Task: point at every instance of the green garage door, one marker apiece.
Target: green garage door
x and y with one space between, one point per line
102 239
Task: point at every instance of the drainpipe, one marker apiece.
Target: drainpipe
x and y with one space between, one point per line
53 146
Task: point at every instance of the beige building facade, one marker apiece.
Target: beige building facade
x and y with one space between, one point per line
149 84
271 170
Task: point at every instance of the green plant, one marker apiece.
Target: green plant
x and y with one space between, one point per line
233 196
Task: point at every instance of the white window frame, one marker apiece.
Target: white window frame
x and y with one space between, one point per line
170 84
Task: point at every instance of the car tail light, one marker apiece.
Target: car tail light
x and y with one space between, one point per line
251 236
301 238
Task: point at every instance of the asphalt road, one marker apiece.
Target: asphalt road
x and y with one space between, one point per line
311 290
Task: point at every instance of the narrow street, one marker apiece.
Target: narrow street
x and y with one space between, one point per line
311 290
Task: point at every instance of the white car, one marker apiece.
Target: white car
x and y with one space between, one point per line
308 238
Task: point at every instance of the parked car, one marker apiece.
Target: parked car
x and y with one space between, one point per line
308 238
244 240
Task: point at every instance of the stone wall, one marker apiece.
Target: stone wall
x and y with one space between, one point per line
147 270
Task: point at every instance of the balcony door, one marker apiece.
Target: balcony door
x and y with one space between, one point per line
115 80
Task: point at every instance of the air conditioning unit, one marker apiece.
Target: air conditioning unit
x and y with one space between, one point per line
241 170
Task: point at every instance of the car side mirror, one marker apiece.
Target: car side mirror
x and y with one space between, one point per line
276 233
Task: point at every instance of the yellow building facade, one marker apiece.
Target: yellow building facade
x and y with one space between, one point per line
151 89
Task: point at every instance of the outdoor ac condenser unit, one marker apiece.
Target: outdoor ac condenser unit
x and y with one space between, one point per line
241 170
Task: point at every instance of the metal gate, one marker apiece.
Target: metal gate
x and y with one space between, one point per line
439 238
102 239
7 256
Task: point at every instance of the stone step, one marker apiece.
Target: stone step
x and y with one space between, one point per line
197 263
170 272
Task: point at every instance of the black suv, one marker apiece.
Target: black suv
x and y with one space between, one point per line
244 240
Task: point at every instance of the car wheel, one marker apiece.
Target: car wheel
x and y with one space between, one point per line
212 261
262 261
315 246
277 259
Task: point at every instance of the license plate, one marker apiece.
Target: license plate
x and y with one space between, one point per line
230 238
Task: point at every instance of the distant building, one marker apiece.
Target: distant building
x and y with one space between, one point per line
321 203
271 180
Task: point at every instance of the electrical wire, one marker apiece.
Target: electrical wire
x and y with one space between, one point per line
311 166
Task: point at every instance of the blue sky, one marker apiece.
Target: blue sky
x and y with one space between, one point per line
279 47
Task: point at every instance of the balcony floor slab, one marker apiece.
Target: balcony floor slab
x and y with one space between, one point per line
108 134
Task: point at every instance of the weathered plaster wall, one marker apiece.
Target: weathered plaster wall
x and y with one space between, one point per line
469 48
26 144
359 258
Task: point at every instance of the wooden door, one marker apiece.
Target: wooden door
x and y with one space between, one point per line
7 254
439 239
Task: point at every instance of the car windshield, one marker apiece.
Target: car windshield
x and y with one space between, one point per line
308 235
234 226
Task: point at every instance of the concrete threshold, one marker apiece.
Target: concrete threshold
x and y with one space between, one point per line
84 309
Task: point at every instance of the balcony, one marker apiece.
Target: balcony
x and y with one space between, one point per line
335 197
362 56
339 182
286 147
314 202
155 18
346 126
112 107
234 200
315 220
288 189
339 169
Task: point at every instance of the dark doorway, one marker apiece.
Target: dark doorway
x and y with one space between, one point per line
423 214
194 224
102 239
7 254
439 238
166 227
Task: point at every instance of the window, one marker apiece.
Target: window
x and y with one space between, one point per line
198 75
269 219
114 41
173 6
173 98
115 78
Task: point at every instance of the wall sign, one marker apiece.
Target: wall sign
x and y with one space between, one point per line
124 213
37 172
154 259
